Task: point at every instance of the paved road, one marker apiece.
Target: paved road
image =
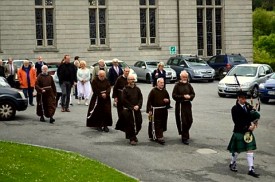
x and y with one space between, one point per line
149 161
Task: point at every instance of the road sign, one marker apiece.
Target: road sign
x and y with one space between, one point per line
173 49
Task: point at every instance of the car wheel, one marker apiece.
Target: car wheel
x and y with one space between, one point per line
221 95
148 79
255 92
189 78
7 111
264 100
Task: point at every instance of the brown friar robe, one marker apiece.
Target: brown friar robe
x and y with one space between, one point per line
46 103
99 112
158 107
183 108
121 82
131 120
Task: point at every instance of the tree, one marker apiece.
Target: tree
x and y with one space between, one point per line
265 4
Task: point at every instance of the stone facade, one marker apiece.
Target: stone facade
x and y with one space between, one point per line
18 34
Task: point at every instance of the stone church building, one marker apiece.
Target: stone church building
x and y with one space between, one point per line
129 30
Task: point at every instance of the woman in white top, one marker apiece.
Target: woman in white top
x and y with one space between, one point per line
83 82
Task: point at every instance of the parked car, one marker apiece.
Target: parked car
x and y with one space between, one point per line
144 70
52 67
122 64
267 89
18 62
222 64
197 68
11 100
250 76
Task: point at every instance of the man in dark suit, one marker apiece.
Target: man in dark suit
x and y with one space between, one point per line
242 139
114 72
11 72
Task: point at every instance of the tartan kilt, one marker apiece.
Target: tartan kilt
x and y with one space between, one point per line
237 143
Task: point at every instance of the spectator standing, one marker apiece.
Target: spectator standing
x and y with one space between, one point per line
2 69
27 77
76 64
11 72
101 66
83 82
38 65
159 73
114 72
67 78
58 88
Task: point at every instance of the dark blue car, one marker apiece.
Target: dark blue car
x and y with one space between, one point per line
267 89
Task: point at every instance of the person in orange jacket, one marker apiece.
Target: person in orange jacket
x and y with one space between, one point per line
27 77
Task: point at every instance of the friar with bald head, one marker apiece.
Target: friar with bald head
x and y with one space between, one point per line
130 120
99 113
46 93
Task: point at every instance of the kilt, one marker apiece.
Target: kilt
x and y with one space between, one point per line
237 143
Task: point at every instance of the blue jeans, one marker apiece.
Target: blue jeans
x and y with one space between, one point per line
28 92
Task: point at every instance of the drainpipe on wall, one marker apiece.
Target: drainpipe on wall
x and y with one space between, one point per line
178 24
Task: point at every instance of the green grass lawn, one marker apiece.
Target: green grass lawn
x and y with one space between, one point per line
20 162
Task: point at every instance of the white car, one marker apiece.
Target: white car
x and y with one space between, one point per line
144 70
249 76
122 64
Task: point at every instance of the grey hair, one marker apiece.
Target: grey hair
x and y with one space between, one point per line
184 73
159 79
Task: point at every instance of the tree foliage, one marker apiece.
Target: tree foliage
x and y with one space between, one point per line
264 37
265 4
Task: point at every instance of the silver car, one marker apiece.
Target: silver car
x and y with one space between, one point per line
249 76
144 70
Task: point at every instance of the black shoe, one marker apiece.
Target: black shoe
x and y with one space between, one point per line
106 129
71 104
233 167
52 120
185 142
160 141
253 173
32 104
99 129
42 119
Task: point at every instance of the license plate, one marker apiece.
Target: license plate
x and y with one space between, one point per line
231 89
271 92
206 76
168 76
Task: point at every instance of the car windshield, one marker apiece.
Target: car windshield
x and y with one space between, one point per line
196 62
152 64
247 71
236 59
3 82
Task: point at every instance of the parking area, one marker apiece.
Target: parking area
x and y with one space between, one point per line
205 159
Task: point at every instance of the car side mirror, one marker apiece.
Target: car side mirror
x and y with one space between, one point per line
143 67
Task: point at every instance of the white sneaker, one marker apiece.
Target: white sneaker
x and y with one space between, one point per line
79 102
86 102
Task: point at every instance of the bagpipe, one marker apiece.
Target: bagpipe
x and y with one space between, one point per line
254 112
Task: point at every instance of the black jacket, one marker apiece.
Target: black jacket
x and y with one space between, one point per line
66 72
241 118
